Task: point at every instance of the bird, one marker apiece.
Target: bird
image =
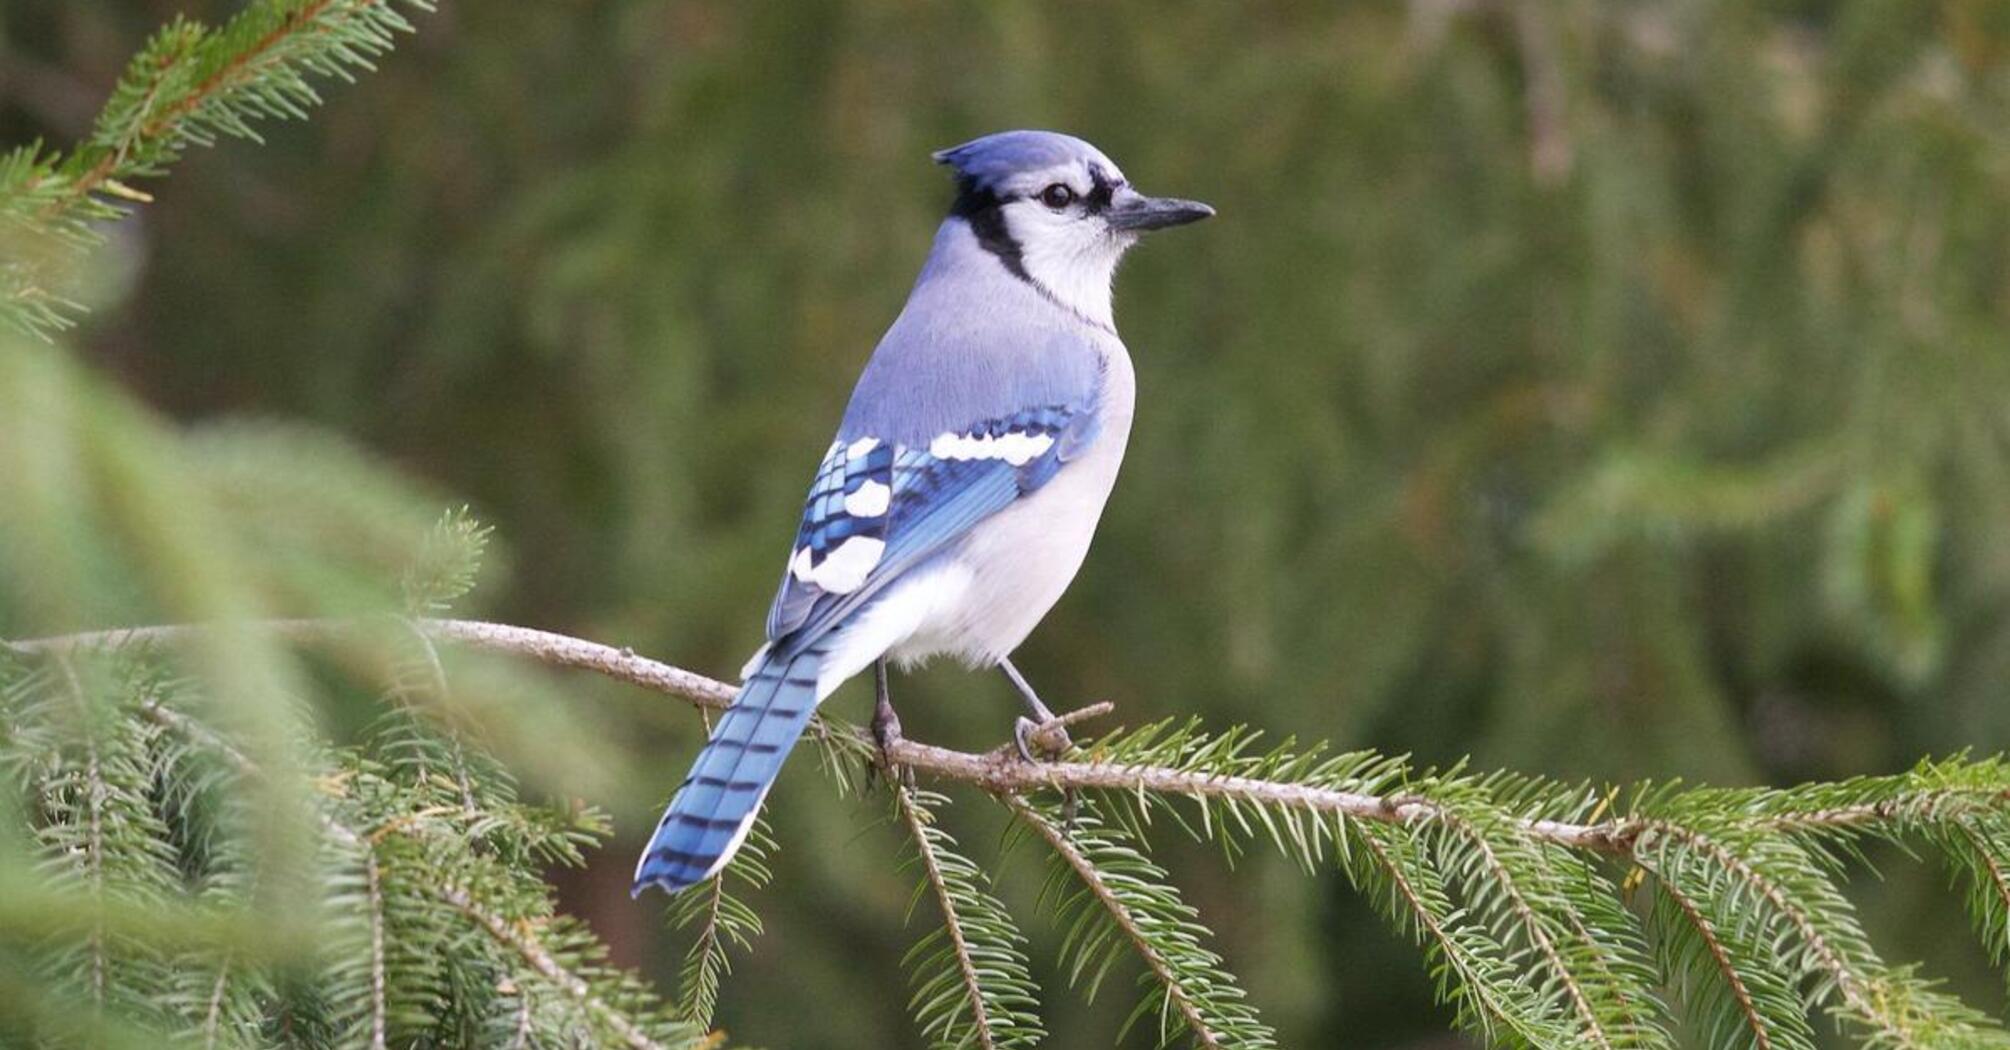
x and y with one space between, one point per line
966 479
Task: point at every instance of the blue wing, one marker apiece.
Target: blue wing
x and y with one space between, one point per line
877 510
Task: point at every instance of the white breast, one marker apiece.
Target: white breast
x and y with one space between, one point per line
1016 564
981 602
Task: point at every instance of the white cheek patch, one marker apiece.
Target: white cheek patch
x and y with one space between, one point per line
869 501
1071 258
844 569
1015 447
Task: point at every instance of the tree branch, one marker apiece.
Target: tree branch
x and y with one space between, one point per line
1093 879
999 772
913 816
519 937
373 883
1755 1022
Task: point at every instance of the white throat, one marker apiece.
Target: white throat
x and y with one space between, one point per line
1072 260
1077 280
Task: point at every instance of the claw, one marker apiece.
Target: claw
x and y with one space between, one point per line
1023 729
1025 734
1033 740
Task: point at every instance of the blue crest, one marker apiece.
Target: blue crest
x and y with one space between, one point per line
988 161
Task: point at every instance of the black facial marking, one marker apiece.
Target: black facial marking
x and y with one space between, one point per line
984 210
1104 188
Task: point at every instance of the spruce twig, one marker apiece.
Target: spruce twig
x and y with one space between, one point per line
188 86
971 977
520 939
1499 877
1000 771
1117 881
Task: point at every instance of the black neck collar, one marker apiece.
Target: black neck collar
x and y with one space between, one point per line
984 210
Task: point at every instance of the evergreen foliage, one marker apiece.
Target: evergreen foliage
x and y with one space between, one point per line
719 919
1114 900
425 919
1550 915
229 841
972 985
189 86
186 851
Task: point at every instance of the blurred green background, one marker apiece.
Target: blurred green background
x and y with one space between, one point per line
1604 390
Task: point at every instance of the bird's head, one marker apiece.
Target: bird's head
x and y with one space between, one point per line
1057 212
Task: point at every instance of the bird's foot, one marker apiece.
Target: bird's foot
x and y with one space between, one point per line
1040 741
1049 736
885 730
886 733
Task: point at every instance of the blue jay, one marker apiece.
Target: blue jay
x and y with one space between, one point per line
966 479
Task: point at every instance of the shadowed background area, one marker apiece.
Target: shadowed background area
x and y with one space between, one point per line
1605 390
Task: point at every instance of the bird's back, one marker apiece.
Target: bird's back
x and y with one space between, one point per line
974 343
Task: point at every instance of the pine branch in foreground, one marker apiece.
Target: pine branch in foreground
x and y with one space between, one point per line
1120 902
424 918
972 985
1781 894
1512 886
1468 967
189 86
1553 911
721 920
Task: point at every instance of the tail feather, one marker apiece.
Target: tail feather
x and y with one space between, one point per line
714 808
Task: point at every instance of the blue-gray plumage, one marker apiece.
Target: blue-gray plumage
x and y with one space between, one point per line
967 476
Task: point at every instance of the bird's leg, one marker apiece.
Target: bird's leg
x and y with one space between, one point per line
1024 728
885 723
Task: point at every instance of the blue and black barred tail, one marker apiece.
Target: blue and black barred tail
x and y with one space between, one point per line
710 815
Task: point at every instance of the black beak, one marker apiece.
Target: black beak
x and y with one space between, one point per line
1154 213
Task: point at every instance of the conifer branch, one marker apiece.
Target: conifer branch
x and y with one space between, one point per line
1781 889
1734 982
970 974
521 1040
152 116
1534 925
1825 953
212 1016
188 86
519 938
1119 909
1971 850
952 925
95 791
1499 877
466 896
1002 772
1489 1001
720 917
1995 878
374 887
700 981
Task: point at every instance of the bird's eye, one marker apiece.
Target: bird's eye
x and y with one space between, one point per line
1057 196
